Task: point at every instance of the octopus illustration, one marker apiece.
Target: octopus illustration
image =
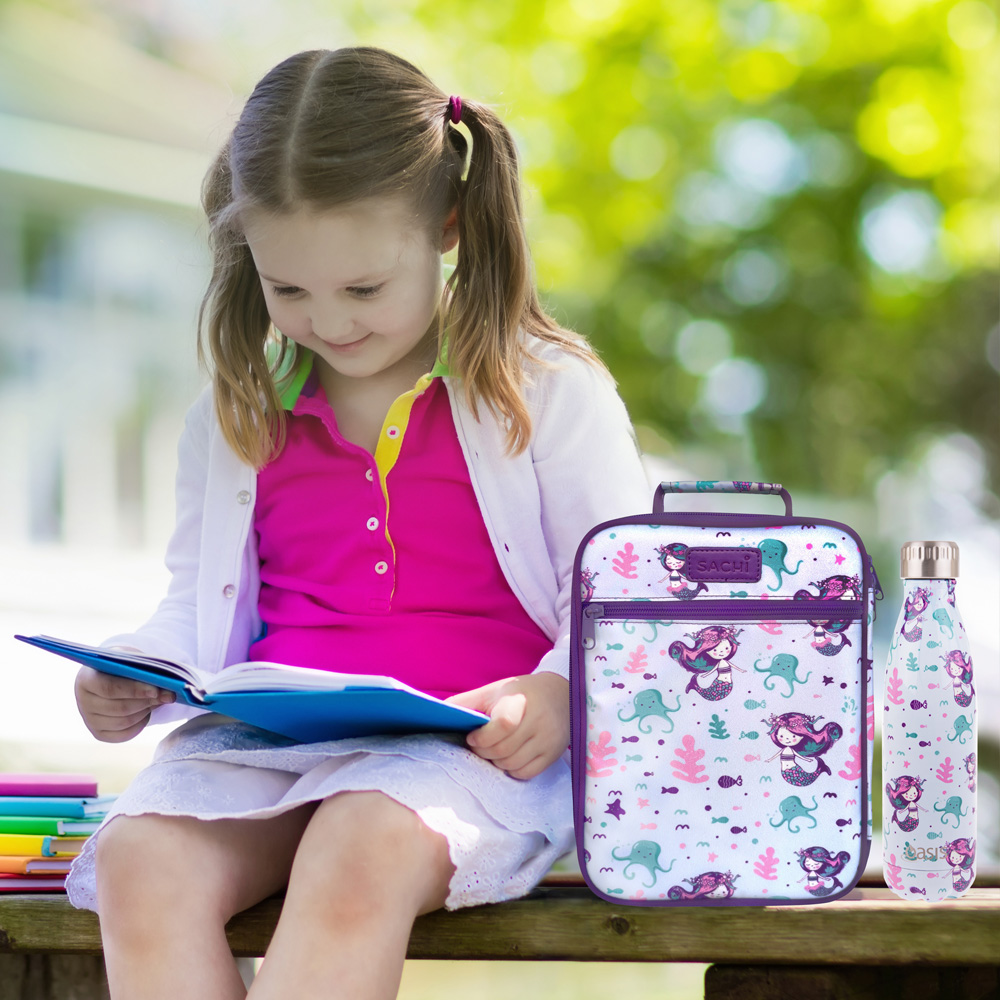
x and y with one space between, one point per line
646 854
649 704
793 808
773 553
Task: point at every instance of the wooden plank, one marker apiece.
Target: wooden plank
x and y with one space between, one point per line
52 977
870 927
836 982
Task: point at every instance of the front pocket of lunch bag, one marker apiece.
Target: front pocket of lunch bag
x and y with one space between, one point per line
726 753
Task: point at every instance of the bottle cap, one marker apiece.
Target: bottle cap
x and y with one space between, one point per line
929 561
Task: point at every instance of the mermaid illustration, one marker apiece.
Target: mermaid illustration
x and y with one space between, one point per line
970 770
961 855
587 577
673 557
913 610
828 635
798 738
958 666
822 867
711 651
707 885
903 796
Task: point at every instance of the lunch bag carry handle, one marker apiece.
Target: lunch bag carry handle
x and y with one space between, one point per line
720 486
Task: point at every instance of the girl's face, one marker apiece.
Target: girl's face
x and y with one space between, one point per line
359 285
673 562
812 864
721 891
722 649
786 737
954 857
911 793
953 669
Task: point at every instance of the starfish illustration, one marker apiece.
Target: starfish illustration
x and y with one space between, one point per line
615 809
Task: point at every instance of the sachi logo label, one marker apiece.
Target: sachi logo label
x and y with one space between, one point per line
723 565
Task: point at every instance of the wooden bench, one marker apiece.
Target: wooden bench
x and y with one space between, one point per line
868 945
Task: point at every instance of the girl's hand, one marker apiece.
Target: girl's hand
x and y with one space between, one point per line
115 709
529 722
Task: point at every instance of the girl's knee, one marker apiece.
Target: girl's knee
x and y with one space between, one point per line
369 844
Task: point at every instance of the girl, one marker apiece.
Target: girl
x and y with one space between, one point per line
821 867
799 739
958 666
710 651
389 474
903 796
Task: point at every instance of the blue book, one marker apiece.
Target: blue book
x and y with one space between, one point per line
305 705
56 805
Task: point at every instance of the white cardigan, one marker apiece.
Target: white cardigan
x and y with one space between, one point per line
581 467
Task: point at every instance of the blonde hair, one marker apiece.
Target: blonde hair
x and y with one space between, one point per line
328 128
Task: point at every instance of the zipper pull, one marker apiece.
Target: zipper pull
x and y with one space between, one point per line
588 628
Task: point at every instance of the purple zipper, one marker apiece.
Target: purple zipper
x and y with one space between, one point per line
731 610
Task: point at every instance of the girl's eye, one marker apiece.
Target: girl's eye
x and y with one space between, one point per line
285 291
365 291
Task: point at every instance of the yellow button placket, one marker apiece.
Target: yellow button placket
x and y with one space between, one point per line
390 442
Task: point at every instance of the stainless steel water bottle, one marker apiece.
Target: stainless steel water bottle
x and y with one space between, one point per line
929 735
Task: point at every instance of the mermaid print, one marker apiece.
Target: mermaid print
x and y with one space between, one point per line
958 666
587 577
961 855
970 770
707 885
799 738
828 634
913 609
709 653
673 558
903 795
822 867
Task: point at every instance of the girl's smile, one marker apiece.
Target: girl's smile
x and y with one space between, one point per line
358 285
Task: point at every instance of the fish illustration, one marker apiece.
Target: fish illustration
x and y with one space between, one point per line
727 782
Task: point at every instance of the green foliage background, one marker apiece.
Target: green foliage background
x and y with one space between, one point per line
620 107
644 215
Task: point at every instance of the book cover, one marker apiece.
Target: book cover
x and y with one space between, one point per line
32 883
28 864
53 826
57 806
46 845
305 705
47 784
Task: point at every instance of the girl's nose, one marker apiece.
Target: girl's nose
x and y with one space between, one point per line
332 324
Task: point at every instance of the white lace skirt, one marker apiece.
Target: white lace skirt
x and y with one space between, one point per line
503 833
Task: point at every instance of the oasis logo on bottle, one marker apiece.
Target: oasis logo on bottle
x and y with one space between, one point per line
911 853
723 565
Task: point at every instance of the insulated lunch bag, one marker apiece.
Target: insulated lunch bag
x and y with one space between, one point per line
722 705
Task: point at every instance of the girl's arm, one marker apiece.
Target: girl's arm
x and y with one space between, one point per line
171 632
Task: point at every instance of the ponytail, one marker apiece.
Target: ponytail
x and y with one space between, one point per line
492 300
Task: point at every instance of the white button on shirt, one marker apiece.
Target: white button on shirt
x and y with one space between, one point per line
373 524
243 496
392 431
381 568
229 590
369 475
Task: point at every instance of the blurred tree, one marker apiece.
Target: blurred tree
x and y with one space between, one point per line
776 219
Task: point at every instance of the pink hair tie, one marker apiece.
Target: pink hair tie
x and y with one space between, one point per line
454 109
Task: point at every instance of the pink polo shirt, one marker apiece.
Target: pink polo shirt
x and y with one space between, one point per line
381 564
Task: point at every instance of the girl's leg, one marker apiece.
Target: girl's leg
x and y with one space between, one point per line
366 867
166 887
